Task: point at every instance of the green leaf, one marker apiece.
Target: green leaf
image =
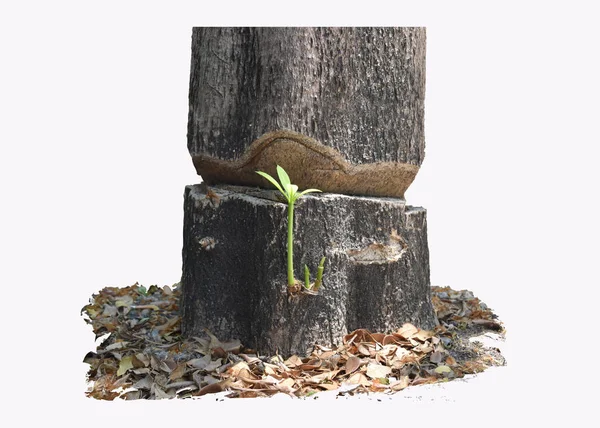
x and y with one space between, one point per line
304 192
293 189
283 178
272 180
298 195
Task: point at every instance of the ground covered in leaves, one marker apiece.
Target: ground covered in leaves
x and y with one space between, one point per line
142 355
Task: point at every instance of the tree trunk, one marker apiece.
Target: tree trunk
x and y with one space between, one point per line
234 267
340 109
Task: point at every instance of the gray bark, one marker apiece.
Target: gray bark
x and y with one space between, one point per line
347 105
234 267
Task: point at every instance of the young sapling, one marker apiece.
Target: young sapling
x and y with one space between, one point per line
291 195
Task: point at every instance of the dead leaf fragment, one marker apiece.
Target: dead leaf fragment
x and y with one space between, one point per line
215 387
124 365
199 363
423 335
443 369
168 324
311 365
125 300
293 361
376 371
236 368
287 385
144 383
213 365
321 377
407 331
329 386
178 372
143 359
116 345
400 384
358 379
437 357
364 350
492 325
218 352
352 364
167 365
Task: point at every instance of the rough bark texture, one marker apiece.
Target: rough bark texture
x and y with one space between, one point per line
358 92
234 267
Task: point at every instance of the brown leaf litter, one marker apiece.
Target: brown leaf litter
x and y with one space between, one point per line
143 355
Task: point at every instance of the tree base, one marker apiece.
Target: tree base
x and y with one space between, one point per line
234 267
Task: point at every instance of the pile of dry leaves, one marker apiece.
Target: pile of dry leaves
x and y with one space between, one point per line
142 354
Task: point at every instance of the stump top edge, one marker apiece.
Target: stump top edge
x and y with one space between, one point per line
259 195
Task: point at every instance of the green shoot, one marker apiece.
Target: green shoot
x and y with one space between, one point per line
306 278
320 269
291 194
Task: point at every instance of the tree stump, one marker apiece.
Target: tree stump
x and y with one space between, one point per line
340 109
234 267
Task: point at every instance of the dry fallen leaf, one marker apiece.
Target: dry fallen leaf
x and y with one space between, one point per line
236 368
125 365
407 331
293 361
443 369
363 349
125 300
352 364
321 377
144 383
329 386
402 383
423 335
376 371
199 363
116 345
143 359
215 387
178 372
358 379
437 357
213 365
287 385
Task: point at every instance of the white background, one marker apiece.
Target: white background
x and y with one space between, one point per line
93 164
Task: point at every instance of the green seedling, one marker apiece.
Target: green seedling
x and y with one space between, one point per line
291 195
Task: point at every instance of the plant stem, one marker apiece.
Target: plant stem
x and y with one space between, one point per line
319 274
290 245
306 278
